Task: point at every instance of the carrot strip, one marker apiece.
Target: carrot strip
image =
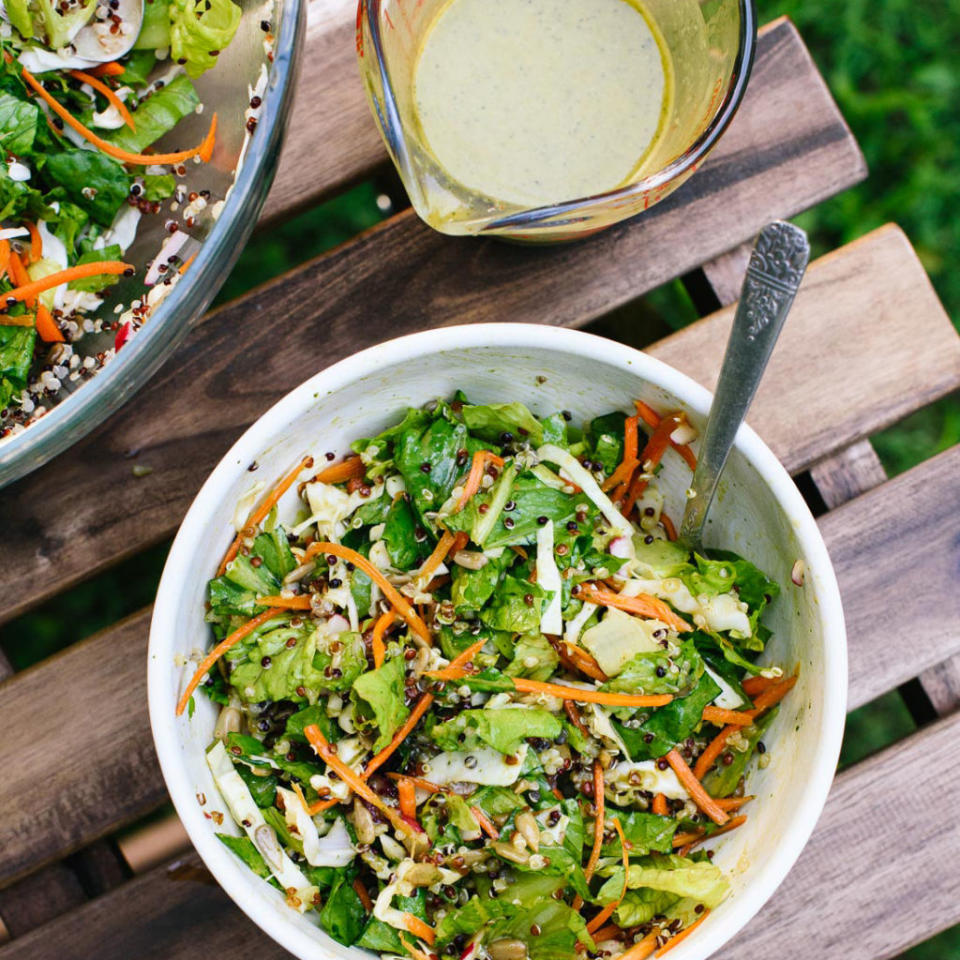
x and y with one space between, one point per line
30 289
219 650
36 242
299 602
601 918
485 825
414 952
419 709
574 715
714 748
683 934
384 622
46 327
660 805
687 839
621 475
4 256
652 454
420 928
721 718
361 892
113 69
353 780
609 932
322 805
26 320
439 554
585 663
418 782
258 513
599 802
773 695
731 803
475 476
111 96
628 464
642 604
407 792
352 468
753 686
693 786
642 948
203 150
669 528
652 419
389 590
186 263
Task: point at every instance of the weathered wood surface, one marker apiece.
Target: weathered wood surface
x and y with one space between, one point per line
89 778
847 475
331 137
787 149
876 870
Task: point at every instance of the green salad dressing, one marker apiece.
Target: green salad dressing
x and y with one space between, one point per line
538 101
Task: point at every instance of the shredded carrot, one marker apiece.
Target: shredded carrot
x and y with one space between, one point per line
753 686
186 263
113 69
660 805
652 454
19 275
669 528
642 604
691 839
419 709
475 477
219 650
258 513
601 918
683 934
440 551
574 715
687 839
418 782
420 928
414 952
642 948
609 932
299 602
712 752
628 464
25 320
407 792
353 780
111 96
46 326
4 256
384 622
485 825
652 419
36 242
585 663
599 802
322 805
721 718
621 475
389 590
353 468
731 803
204 150
32 288
361 892
693 786
773 695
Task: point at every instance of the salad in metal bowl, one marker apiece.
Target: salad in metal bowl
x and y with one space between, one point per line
476 699
87 89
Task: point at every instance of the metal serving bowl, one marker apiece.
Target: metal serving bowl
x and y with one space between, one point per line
226 89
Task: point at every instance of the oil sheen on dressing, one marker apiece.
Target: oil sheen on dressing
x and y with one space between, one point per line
537 101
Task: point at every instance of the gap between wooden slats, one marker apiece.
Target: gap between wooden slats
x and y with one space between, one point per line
879 862
787 149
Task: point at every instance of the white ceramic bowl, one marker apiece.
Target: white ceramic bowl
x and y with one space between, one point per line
758 513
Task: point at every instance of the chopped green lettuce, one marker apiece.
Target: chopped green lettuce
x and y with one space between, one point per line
515 607
722 780
199 30
18 124
157 115
533 657
490 422
93 181
504 730
343 915
378 695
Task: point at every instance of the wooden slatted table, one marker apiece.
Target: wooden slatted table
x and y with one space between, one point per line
868 343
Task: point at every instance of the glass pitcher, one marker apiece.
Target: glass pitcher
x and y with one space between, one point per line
711 44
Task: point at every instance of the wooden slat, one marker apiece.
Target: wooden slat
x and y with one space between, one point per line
847 475
787 148
331 137
87 778
886 877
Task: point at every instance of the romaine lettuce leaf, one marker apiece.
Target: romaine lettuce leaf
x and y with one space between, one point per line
641 906
510 610
533 657
504 730
93 181
645 832
199 30
155 29
60 27
157 115
19 13
490 422
561 928
472 916
681 876
722 780
343 915
378 695
471 589
312 715
97 283
606 434
435 448
18 124
399 534
658 672
669 725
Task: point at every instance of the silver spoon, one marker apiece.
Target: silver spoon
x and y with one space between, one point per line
776 268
